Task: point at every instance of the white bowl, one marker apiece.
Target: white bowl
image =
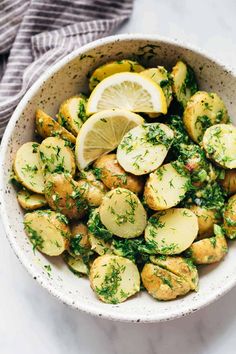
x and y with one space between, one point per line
62 80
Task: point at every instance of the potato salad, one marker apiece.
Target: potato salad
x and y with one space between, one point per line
133 184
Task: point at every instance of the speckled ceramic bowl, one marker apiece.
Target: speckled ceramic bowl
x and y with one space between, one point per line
64 79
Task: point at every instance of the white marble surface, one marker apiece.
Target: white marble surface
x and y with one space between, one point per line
32 321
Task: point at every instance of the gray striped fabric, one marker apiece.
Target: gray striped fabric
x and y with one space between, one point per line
35 34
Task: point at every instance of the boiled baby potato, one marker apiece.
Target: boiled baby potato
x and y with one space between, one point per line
113 175
27 167
171 231
76 265
79 242
202 111
114 278
144 148
180 266
166 187
29 201
56 156
98 245
162 284
122 213
161 77
229 181
48 231
99 237
46 126
206 220
111 68
209 250
219 144
93 190
72 114
230 217
64 195
184 82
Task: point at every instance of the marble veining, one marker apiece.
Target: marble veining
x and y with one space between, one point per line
32 321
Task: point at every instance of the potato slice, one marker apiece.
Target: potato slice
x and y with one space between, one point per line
114 176
162 284
92 193
72 114
171 231
184 82
202 111
166 187
27 167
99 237
209 250
206 220
161 77
144 148
29 201
111 68
98 245
180 266
48 231
122 213
46 126
56 156
79 242
76 265
229 181
230 218
65 195
219 144
114 278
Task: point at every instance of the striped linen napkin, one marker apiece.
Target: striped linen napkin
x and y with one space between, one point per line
35 34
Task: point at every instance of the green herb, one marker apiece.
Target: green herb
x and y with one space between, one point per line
97 173
156 136
96 227
62 218
35 148
35 238
202 123
82 111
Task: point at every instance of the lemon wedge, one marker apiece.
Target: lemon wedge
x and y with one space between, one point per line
102 133
130 91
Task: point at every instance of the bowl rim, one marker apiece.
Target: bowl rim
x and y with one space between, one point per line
88 308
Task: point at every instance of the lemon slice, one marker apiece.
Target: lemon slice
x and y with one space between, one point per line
102 133
130 91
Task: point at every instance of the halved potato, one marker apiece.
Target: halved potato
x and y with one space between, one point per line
76 265
180 266
209 250
114 278
219 144
65 195
72 114
202 111
166 187
230 218
56 156
161 77
99 245
162 284
171 231
27 167
144 148
46 126
79 242
29 201
92 193
184 82
206 220
122 213
48 231
113 175
111 68
229 181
